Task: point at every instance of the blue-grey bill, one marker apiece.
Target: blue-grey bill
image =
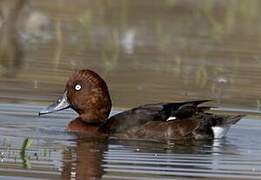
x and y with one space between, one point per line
60 104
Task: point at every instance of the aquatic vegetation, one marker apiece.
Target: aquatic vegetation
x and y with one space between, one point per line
24 156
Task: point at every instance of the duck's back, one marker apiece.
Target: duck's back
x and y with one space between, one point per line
183 120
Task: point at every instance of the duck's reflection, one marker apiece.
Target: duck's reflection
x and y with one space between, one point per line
84 161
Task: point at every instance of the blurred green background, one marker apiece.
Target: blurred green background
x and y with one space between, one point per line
147 51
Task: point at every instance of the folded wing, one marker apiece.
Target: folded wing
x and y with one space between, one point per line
152 112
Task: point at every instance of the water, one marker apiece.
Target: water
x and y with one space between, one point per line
40 147
147 51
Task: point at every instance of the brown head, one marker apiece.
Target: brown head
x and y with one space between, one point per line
87 93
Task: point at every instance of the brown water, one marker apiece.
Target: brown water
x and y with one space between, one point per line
147 51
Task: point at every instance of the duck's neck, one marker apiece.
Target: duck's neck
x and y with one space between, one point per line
77 125
96 109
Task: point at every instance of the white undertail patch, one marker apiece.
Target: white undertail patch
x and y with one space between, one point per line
220 131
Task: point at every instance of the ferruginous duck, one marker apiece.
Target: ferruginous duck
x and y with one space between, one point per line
87 94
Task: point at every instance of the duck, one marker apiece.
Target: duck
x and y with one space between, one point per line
87 94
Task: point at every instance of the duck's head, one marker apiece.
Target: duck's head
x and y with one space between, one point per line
86 93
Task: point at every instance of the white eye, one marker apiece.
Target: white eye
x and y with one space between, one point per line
77 87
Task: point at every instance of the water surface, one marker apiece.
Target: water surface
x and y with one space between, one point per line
147 51
41 148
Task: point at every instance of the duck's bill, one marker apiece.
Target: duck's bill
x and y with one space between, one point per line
60 104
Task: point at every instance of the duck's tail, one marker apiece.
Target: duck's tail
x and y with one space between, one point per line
221 124
226 120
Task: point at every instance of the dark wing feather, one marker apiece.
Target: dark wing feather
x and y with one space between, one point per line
185 109
151 112
205 108
134 117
